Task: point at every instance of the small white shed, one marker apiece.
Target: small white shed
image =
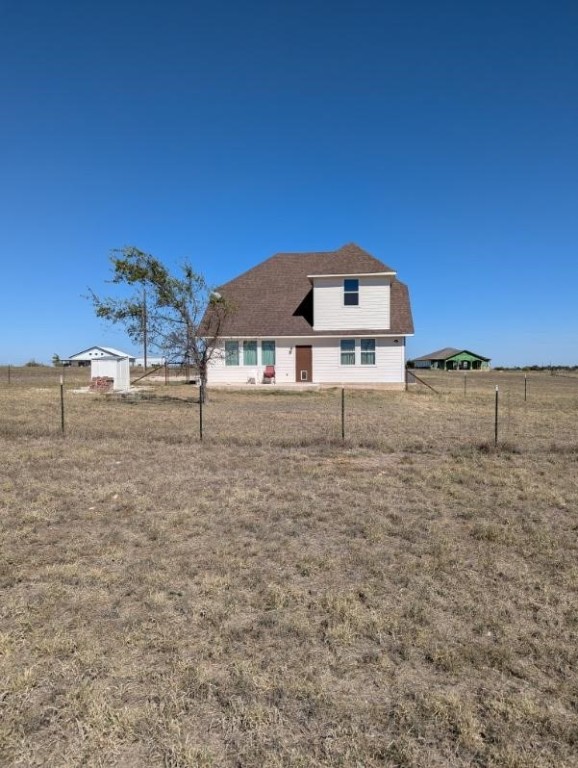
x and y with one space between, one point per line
116 368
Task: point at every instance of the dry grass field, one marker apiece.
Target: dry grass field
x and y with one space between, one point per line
275 596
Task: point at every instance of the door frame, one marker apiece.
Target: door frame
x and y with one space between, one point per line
300 367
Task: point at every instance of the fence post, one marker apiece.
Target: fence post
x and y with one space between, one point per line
9 374
525 387
343 413
496 418
62 403
465 384
201 413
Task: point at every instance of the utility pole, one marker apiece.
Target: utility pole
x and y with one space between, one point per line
144 325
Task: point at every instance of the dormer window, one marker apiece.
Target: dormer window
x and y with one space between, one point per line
351 292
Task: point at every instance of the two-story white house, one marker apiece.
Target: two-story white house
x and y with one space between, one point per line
335 317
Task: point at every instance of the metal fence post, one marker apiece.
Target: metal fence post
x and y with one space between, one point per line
496 418
343 413
201 412
62 403
525 387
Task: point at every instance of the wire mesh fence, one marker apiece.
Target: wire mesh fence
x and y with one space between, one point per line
534 413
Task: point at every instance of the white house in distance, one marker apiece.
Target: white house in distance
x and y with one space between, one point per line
334 317
95 353
153 361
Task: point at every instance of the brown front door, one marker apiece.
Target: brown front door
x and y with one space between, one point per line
303 364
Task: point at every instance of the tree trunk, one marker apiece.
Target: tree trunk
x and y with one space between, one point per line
203 386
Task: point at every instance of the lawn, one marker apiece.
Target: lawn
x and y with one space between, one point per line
275 596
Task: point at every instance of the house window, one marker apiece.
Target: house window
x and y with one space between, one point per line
367 351
268 352
351 292
231 353
348 352
249 353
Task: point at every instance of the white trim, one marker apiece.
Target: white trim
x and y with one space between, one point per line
352 274
335 335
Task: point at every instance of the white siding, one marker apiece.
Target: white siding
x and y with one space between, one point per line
219 373
327 369
113 368
389 363
330 314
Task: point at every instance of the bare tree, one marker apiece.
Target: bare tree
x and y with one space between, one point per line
184 317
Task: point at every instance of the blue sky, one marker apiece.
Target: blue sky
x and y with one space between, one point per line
441 137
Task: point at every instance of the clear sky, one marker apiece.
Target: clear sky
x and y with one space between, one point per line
442 137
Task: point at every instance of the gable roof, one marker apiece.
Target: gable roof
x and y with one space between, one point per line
448 352
107 350
275 298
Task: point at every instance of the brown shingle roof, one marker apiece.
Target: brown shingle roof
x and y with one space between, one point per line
275 298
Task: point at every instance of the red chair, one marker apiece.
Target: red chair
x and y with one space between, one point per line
269 374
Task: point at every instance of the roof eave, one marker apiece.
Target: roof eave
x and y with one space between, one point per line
352 274
335 335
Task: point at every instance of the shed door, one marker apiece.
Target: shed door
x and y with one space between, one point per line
303 364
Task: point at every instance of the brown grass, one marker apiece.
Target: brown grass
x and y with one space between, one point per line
273 597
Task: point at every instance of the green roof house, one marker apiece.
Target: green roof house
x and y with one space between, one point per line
451 359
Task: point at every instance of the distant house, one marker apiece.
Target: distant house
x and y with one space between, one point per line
331 317
152 361
85 357
451 359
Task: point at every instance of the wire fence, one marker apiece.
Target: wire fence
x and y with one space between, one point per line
538 412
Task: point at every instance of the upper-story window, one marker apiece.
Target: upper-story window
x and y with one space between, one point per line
351 292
